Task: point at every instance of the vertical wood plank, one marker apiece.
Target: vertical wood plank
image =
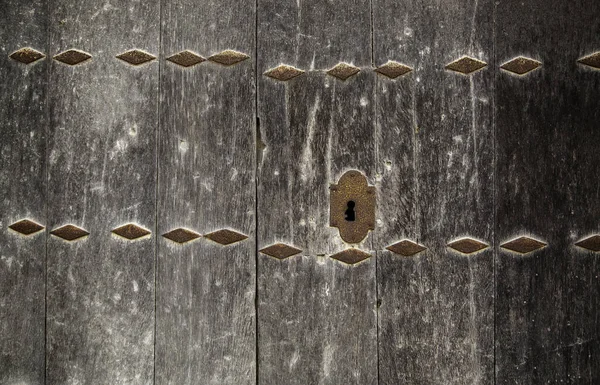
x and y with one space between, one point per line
100 318
548 300
205 290
316 315
435 164
23 113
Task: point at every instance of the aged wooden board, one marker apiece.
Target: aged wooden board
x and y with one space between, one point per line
548 300
205 290
101 150
316 315
23 117
435 165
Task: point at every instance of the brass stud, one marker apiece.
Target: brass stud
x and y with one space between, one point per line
284 72
343 71
181 235
228 57
225 237
523 245
521 65
406 248
131 231
27 55
466 65
393 69
467 245
136 57
351 256
186 58
70 232
592 60
73 57
26 227
280 251
592 243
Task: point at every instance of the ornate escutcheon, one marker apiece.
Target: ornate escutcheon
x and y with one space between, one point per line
352 206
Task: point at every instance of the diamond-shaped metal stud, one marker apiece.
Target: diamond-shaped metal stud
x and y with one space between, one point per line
131 231
592 60
228 57
393 69
26 227
406 248
181 235
27 55
467 245
521 65
69 232
523 245
186 58
73 57
466 65
136 57
284 72
351 256
280 251
592 243
225 237
343 71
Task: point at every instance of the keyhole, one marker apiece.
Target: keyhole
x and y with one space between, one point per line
350 214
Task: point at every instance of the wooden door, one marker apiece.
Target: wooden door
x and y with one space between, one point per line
284 192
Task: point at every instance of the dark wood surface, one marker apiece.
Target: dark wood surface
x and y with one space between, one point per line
23 129
548 301
490 156
205 291
101 175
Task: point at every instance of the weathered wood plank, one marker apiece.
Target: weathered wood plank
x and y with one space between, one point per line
23 116
435 160
548 301
100 317
316 315
206 331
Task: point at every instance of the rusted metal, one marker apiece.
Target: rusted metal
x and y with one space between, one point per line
225 236
228 57
284 72
523 245
136 57
280 251
131 231
467 245
181 235
352 195
73 57
70 232
27 55
26 227
592 60
343 71
592 243
351 256
521 65
393 69
466 65
186 58
406 248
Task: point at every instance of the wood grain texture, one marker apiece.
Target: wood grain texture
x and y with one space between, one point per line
316 316
103 116
435 163
205 291
548 301
23 113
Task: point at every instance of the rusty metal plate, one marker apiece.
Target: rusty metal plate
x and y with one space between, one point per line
225 237
131 231
70 232
467 245
406 248
27 55
466 65
523 245
393 69
592 243
351 256
343 71
284 72
136 57
186 58
228 57
73 57
26 227
280 251
352 206
181 235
